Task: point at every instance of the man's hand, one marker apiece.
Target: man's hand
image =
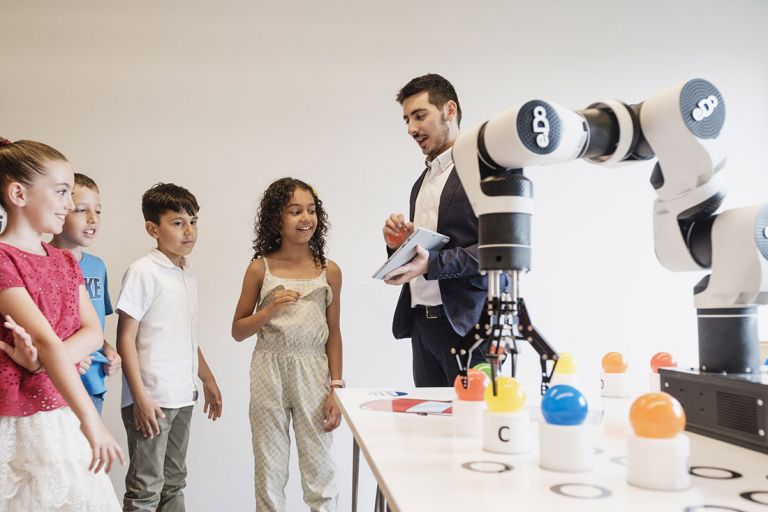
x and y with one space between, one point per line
396 230
418 266
145 414
331 414
115 362
213 403
23 352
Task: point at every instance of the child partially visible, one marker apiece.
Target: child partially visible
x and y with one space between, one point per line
80 228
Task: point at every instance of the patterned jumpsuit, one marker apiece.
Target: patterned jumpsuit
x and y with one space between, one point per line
290 379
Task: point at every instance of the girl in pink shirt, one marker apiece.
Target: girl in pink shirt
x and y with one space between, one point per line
45 461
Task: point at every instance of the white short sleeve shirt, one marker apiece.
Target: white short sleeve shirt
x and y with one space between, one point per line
163 298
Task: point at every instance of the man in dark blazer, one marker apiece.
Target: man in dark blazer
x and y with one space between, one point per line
443 294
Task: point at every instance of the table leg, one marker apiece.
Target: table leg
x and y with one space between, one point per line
355 472
380 504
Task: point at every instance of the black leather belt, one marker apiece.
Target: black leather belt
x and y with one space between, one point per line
430 312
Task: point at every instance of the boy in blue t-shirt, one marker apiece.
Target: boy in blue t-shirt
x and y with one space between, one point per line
80 228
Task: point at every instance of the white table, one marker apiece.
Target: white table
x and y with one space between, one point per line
420 466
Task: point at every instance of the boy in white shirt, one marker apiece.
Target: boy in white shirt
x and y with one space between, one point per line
157 335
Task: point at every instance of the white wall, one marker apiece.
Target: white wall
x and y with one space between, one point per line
224 97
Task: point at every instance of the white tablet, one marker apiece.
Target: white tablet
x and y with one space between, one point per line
427 239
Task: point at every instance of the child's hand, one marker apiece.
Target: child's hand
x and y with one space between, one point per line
331 414
280 300
104 447
145 414
213 404
84 365
23 352
115 362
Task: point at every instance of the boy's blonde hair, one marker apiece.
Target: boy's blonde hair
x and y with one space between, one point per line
84 181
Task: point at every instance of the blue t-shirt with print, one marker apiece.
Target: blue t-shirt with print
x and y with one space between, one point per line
95 275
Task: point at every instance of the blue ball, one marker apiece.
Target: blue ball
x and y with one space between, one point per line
564 405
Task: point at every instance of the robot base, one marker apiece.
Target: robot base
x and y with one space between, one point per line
729 407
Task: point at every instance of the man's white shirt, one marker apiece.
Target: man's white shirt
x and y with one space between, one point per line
427 293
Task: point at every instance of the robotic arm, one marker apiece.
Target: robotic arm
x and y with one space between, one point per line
679 126
682 125
490 161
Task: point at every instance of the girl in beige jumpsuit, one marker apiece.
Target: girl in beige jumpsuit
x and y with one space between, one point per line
298 349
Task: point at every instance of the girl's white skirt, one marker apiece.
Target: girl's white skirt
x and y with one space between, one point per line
44 462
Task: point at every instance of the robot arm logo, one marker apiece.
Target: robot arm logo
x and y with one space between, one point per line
540 126
705 108
702 108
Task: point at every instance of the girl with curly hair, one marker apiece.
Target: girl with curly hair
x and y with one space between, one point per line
291 300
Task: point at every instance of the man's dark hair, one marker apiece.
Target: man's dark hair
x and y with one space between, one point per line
163 197
440 91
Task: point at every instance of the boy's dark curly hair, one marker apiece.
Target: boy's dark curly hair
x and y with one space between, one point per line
269 220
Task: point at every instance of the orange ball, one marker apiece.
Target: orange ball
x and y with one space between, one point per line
398 238
614 362
475 392
662 360
657 416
